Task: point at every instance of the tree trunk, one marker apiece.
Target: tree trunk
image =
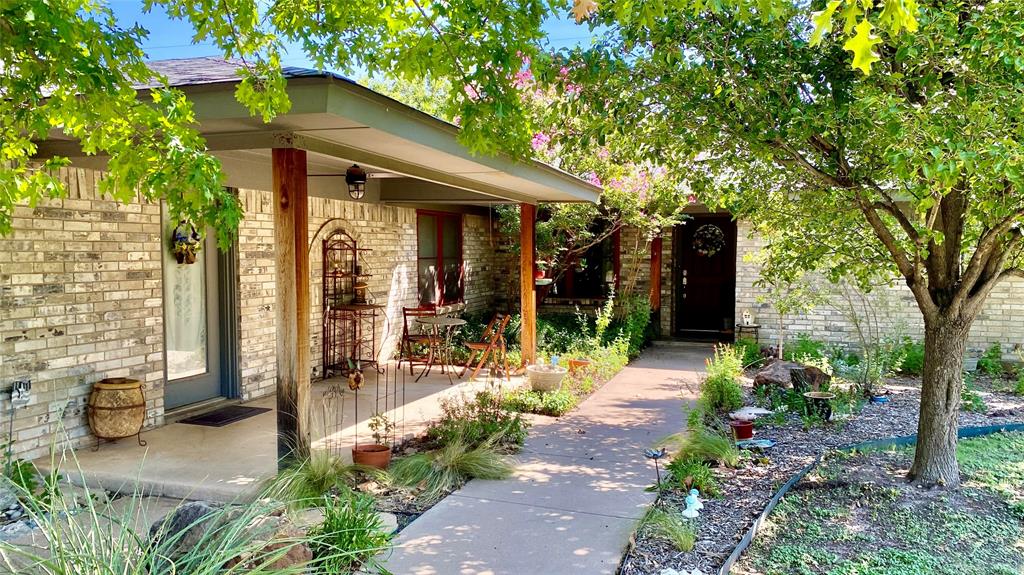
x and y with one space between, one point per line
935 457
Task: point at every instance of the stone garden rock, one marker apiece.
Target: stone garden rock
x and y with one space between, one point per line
779 374
270 533
8 499
187 520
776 374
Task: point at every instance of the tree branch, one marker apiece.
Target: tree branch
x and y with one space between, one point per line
979 259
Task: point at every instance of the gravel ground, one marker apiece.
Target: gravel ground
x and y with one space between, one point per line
724 521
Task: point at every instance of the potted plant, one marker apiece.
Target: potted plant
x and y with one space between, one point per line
742 428
185 243
378 453
545 376
820 403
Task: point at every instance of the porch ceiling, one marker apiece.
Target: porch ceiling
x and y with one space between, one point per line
340 122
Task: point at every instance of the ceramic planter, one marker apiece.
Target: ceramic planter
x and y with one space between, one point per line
820 403
545 377
372 455
742 429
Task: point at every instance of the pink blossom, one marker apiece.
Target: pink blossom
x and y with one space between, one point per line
692 198
593 178
522 78
603 154
540 141
573 89
471 92
563 72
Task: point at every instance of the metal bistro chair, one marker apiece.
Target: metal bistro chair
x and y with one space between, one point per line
491 344
412 336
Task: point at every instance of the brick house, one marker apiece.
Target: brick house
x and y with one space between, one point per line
703 297
90 290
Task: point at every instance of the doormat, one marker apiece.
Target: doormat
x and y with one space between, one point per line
225 415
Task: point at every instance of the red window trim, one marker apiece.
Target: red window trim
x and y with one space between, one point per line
439 277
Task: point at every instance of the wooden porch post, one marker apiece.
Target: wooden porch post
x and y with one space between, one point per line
291 238
527 295
656 274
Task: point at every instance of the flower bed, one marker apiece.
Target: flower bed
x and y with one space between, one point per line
746 489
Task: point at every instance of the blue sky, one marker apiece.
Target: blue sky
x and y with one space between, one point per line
173 39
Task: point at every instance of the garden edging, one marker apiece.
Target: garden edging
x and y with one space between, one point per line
748 538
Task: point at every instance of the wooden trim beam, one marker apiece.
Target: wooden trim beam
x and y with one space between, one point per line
655 295
291 239
527 294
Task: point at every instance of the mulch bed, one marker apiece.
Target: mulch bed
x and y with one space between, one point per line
746 490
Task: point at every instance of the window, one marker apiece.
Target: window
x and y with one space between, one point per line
439 257
591 275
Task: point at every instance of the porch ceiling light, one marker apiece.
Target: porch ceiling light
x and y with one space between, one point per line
355 177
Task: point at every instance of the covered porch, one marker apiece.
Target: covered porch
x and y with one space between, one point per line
412 162
185 461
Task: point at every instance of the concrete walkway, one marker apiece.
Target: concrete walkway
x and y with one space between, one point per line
578 489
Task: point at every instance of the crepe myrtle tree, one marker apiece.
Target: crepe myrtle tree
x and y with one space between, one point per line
915 170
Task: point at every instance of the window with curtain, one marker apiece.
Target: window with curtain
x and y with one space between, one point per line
439 257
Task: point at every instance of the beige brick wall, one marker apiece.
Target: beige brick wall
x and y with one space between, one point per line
1001 321
80 300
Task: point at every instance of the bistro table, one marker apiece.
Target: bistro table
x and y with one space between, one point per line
441 344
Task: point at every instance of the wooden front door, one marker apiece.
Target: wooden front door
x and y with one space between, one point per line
704 277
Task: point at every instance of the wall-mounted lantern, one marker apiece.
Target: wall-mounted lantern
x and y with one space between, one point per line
355 177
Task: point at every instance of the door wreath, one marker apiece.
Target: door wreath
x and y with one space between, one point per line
186 243
708 240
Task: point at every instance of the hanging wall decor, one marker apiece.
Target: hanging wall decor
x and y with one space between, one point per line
708 240
186 243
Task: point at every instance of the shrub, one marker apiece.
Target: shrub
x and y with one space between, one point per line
705 445
669 526
991 362
554 403
350 536
306 483
694 473
749 350
720 390
1019 388
970 400
476 421
913 358
633 324
88 543
443 470
804 346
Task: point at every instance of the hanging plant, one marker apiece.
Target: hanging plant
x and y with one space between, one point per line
708 240
186 243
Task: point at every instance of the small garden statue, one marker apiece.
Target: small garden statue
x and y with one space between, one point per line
692 510
698 505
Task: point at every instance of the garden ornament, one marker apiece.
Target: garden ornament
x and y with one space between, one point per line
656 454
696 497
691 511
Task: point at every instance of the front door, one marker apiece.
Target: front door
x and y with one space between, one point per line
191 328
704 276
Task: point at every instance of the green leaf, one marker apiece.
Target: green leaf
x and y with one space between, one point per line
823 21
862 44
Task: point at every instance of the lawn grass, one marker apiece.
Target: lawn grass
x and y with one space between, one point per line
857 516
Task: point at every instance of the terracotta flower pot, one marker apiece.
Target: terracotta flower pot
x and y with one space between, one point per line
372 455
578 364
742 429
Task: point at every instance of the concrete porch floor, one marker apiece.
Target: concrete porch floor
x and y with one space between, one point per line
186 461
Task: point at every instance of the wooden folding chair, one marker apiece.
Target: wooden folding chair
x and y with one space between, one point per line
493 341
413 335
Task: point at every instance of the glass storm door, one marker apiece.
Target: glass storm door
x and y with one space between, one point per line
191 330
